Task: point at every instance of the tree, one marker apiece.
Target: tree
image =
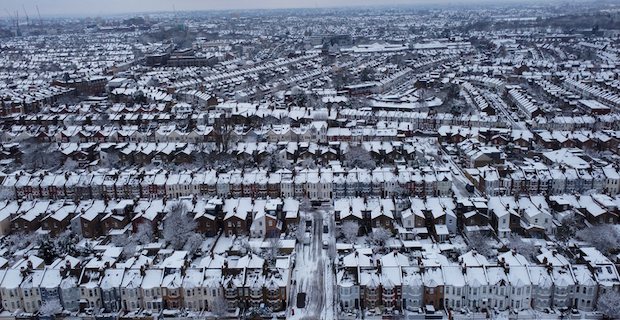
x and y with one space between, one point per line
178 225
109 160
144 233
379 236
70 165
305 204
52 248
367 74
46 249
18 241
603 237
273 250
609 304
567 230
359 157
273 162
350 230
6 194
297 231
481 243
526 248
50 307
39 155
194 243
219 307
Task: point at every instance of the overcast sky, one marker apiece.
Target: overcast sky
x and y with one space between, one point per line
94 7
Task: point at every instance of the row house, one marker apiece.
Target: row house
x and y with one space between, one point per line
316 184
502 286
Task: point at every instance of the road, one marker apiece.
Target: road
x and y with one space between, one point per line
313 273
459 181
502 108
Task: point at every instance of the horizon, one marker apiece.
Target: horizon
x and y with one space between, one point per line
81 9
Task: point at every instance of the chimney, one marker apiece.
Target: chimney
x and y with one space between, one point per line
142 270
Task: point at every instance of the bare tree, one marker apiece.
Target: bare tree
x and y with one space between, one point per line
603 237
273 250
305 204
378 237
50 307
609 304
39 155
524 247
178 225
194 242
144 233
6 194
18 241
109 160
222 130
350 230
359 157
219 307
297 231
479 242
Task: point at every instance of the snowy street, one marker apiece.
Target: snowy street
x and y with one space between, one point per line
313 274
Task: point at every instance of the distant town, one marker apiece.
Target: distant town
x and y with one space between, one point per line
403 162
